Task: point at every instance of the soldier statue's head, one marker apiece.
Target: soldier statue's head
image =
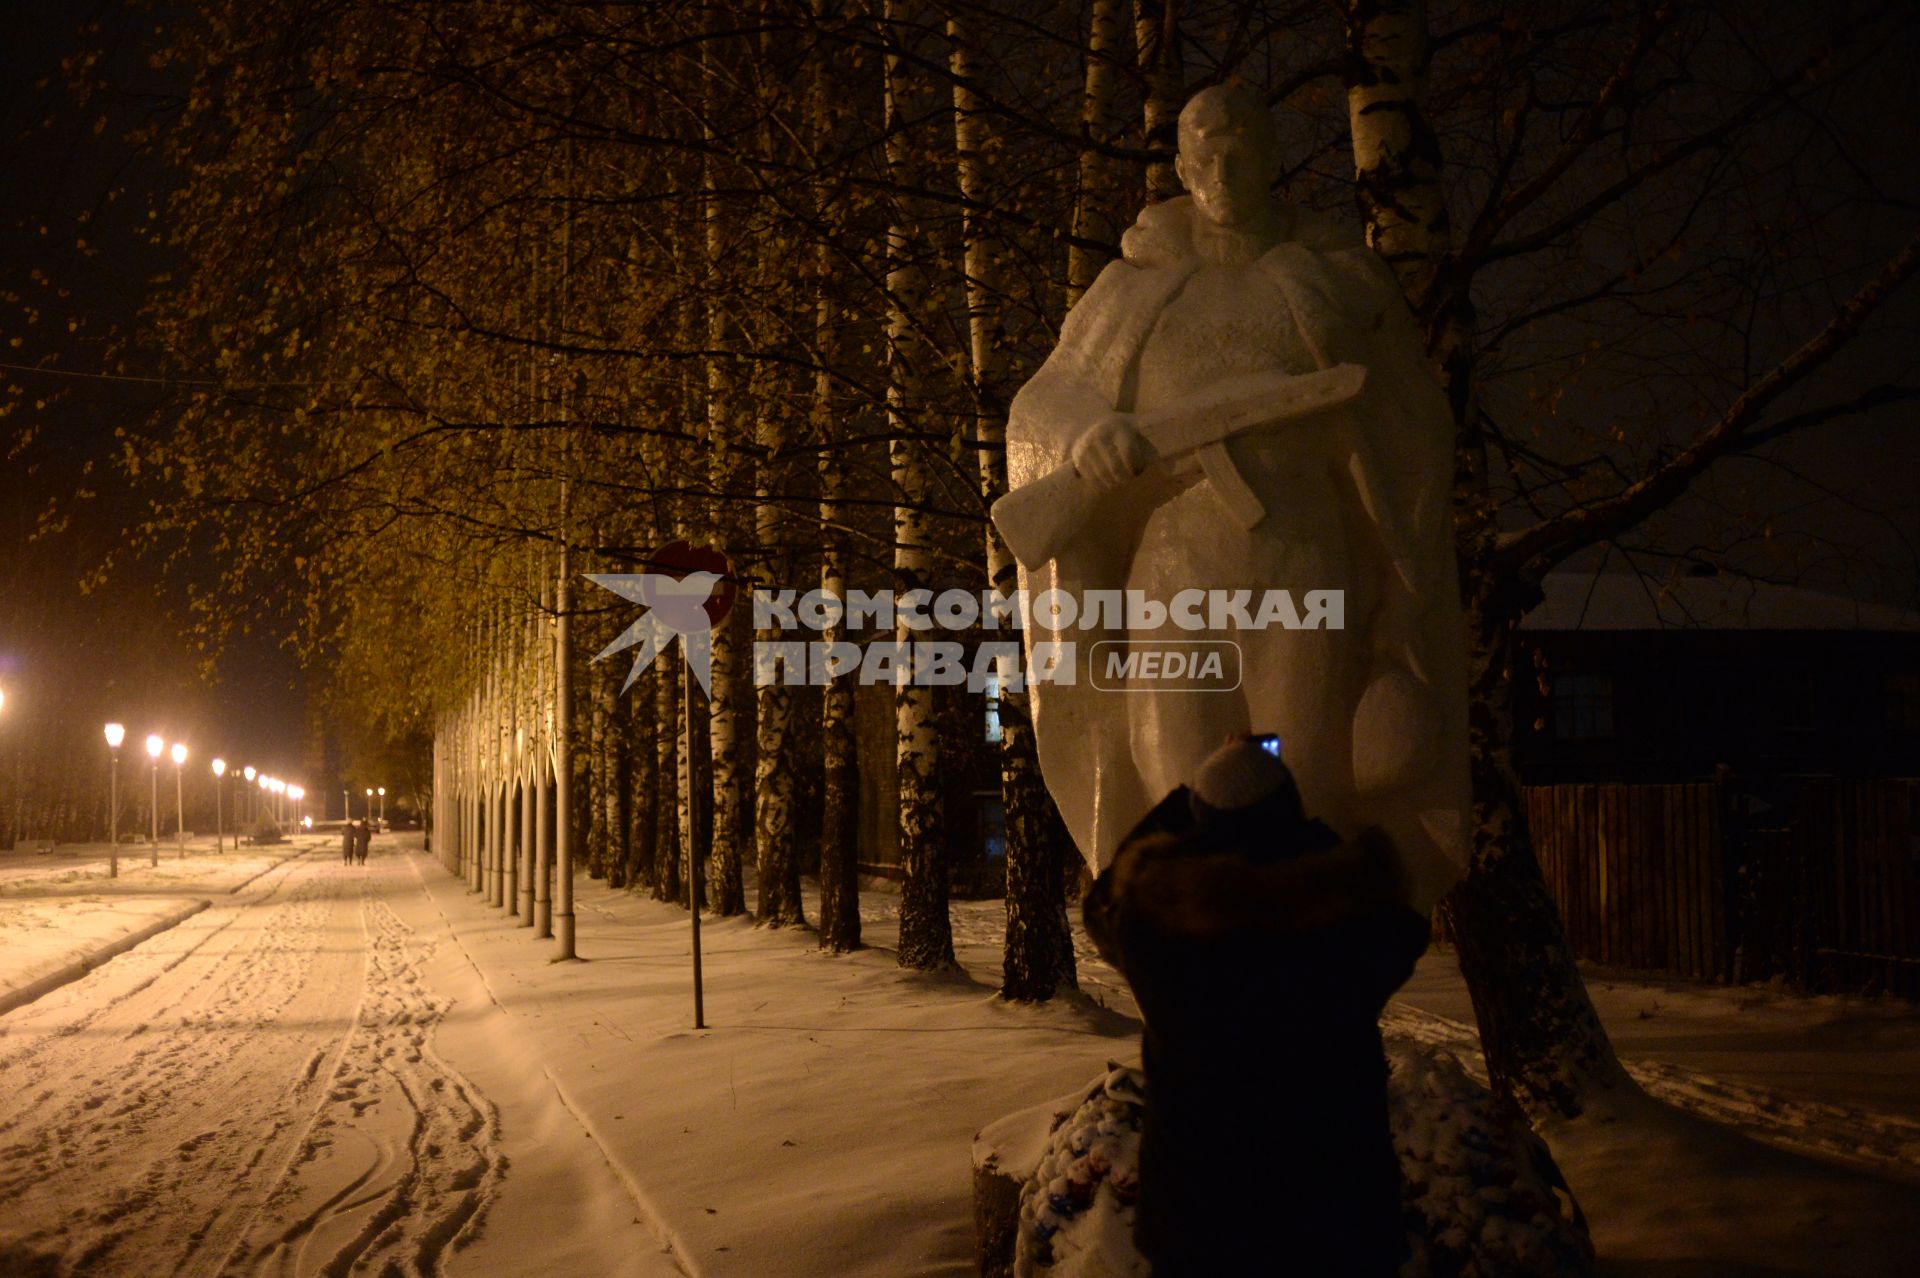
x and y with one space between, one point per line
1229 155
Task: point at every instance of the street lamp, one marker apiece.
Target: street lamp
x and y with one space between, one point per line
383 809
369 803
297 794
116 733
179 799
219 832
250 774
155 745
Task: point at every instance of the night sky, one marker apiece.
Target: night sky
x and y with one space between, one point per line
125 650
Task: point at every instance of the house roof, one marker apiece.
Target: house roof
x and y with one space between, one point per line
1627 601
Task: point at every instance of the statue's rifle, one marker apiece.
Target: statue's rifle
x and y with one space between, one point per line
1039 519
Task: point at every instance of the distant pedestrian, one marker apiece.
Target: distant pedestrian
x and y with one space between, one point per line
348 842
362 837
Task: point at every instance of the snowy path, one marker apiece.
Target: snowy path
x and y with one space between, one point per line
258 1091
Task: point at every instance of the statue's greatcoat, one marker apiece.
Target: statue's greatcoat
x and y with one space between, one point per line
1409 766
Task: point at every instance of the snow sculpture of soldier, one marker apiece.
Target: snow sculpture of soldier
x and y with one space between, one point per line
1214 288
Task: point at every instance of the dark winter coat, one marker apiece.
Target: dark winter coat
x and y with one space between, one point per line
1261 957
363 839
349 840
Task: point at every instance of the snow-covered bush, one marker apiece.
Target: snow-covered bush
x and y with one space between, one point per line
1483 1198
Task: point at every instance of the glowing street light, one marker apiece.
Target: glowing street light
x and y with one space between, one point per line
116 733
297 794
250 774
219 832
156 745
383 809
179 799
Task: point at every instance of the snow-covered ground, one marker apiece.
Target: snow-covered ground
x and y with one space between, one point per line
338 1069
59 911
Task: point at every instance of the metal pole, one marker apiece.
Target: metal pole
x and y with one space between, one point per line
113 815
563 760
179 811
153 810
543 814
524 907
693 859
219 826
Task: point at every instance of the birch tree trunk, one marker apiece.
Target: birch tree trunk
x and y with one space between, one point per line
616 795
727 467
671 783
642 703
839 841
1156 39
839 850
775 842
926 933
1096 203
1544 1044
1038 953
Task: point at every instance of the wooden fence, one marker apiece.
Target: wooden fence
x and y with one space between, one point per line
1814 879
1638 873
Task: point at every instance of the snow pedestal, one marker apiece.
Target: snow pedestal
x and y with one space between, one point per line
1054 1185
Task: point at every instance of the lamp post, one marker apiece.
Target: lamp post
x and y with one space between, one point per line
383 809
298 794
179 799
249 774
155 745
219 830
263 781
369 805
116 733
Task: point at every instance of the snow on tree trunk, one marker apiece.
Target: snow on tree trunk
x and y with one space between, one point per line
926 932
1038 953
1544 1043
1156 39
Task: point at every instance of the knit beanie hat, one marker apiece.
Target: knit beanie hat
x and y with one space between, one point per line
1245 778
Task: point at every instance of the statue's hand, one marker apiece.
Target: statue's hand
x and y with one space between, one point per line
1110 452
